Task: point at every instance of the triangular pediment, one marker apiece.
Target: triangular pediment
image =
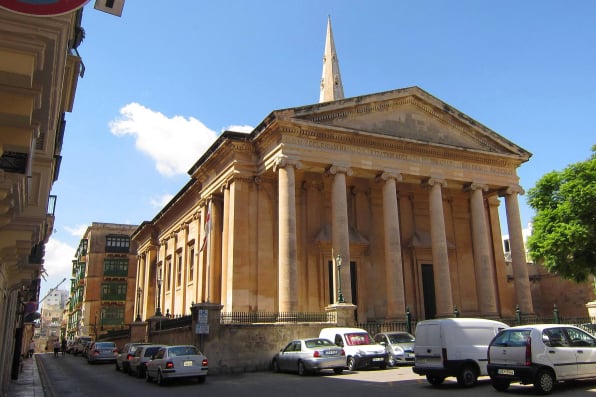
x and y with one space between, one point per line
409 114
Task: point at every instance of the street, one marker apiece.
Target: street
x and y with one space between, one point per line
72 376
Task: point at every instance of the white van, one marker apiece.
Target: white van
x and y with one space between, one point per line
360 348
454 347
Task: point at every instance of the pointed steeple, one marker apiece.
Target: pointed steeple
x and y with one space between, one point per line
331 86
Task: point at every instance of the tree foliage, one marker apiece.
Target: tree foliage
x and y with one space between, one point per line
564 228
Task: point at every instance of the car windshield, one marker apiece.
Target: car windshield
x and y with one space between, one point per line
360 338
512 338
150 351
183 351
400 338
314 343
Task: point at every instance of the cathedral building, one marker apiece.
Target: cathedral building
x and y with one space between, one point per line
387 201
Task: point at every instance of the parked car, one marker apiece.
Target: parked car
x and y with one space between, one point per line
138 363
177 362
79 344
126 354
453 347
360 348
102 352
541 355
86 348
310 355
398 345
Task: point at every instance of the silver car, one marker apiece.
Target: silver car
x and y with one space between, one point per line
176 362
126 354
398 345
310 355
138 363
102 352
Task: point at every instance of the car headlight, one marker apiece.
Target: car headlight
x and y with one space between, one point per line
398 350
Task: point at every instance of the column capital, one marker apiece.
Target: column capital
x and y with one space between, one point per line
475 186
339 169
429 182
283 161
509 190
389 174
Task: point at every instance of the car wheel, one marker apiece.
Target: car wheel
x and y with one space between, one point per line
467 376
301 369
392 362
140 372
338 371
435 380
130 372
160 380
351 364
500 384
148 378
544 382
383 366
201 379
275 366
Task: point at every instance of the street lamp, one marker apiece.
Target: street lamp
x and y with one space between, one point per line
158 309
340 296
139 292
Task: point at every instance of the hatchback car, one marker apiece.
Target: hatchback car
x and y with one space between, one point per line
138 363
102 352
176 362
310 355
125 355
399 346
541 355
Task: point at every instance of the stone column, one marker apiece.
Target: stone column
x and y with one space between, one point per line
288 258
224 247
213 252
518 250
485 280
443 296
394 271
340 228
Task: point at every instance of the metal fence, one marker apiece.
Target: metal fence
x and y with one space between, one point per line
176 322
275 317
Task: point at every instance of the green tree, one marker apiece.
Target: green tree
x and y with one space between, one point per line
564 228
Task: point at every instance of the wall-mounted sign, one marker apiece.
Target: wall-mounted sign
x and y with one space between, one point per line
44 8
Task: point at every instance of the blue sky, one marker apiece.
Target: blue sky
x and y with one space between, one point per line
162 82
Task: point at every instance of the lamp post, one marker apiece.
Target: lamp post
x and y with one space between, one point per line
139 292
340 296
158 309
101 320
95 326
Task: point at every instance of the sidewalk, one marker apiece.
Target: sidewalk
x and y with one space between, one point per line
28 384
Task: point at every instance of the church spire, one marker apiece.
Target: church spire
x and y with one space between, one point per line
331 87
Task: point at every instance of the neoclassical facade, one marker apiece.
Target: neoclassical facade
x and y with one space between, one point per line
401 186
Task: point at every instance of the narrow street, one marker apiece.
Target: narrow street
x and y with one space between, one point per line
72 376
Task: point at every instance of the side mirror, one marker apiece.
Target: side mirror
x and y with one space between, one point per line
383 343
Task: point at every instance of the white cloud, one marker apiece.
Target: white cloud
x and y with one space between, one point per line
175 143
160 202
58 265
240 128
77 231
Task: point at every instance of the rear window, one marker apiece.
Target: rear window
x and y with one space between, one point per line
150 351
512 338
105 345
314 343
360 338
183 351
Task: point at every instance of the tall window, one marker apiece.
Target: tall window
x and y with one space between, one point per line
113 315
117 243
191 263
169 275
179 275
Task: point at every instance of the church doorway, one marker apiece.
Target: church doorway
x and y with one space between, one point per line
428 291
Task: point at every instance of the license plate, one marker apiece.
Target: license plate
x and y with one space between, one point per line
331 353
502 371
410 355
188 363
378 359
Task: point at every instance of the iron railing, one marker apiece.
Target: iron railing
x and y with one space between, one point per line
277 317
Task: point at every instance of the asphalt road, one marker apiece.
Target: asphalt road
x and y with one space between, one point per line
72 376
